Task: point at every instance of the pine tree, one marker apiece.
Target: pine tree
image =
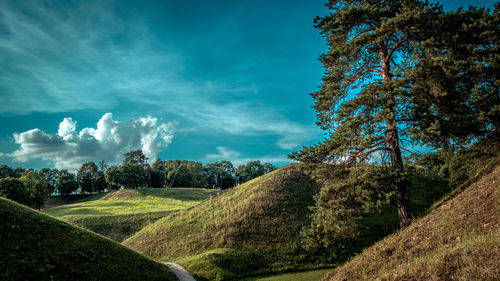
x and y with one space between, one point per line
364 101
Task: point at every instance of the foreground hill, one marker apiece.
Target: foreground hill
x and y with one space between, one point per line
119 214
255 228
460 240
35 246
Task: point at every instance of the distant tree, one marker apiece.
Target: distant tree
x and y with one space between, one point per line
14 189
154 178
66 182
38 186
87 176
268 167
179 173
51 176
136 157
132 175
18 172
6 171
220 175
100 182
114 177
249 171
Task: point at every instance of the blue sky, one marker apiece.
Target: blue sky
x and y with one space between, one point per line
194 80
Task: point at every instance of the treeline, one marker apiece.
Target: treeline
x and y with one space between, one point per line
33 188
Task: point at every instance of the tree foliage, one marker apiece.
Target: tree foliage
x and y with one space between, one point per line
14 189
87 176
220 175
66 182
252 170
36 183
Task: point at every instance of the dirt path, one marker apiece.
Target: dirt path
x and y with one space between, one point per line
180 272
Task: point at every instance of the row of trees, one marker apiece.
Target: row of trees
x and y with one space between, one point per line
33 187
135 172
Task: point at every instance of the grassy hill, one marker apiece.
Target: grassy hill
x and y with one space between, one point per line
460 240
35 246
119 214
248 228
255 228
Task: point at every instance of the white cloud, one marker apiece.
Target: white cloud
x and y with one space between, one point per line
68 148
224 153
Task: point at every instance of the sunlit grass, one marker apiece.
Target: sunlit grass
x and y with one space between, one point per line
135 201
118 215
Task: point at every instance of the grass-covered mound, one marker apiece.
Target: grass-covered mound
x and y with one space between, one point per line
35 246
250 228
460 240
119 214
256 228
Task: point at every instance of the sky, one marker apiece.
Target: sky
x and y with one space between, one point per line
193 80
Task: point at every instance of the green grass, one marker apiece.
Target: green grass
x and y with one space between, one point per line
250 229
460 240
118 215
134 201
314 275
254 229
35 246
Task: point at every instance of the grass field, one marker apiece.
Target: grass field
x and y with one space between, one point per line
460 240
35 246
314 275
134 201
119 214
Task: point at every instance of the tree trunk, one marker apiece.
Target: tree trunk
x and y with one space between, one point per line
402 201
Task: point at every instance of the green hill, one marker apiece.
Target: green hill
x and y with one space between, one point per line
460 240
119 214
35 246
255 228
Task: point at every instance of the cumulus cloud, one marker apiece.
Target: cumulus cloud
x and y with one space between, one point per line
224 153
68 149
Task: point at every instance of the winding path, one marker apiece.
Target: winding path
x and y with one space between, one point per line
180 272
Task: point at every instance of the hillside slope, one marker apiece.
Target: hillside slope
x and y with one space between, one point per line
255 228
35 246
118 215
249 228
460 240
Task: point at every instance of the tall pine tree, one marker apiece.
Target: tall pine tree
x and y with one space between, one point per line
364 100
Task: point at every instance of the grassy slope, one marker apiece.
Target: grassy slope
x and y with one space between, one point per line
35 246
460 240
251 228
119 214
254 228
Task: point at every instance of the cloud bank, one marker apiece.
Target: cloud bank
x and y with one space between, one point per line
68 149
